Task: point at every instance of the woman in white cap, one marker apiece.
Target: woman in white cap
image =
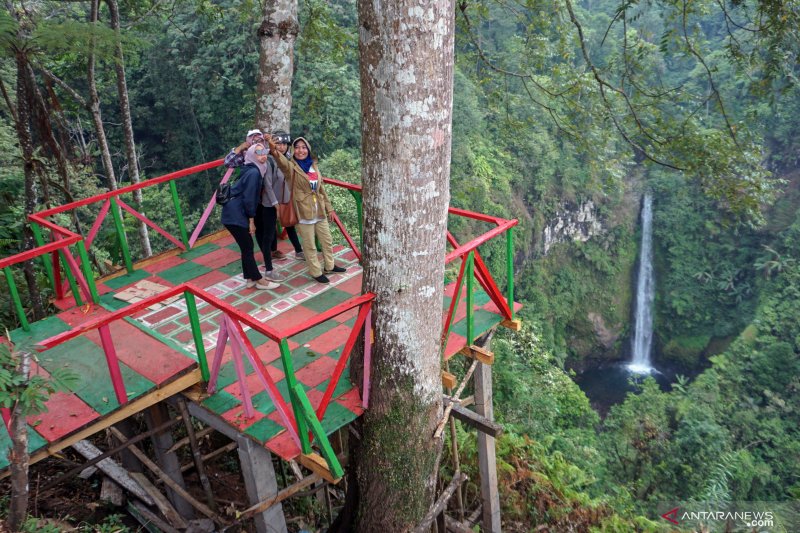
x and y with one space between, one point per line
235 157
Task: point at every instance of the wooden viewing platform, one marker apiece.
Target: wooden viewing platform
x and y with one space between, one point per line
269 364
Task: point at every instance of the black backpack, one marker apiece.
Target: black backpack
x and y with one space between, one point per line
224 193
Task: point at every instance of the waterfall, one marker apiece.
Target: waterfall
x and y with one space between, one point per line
645 291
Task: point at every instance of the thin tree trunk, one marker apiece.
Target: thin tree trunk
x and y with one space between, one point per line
24 98
277 34
406 62
94 106
19 458
127 124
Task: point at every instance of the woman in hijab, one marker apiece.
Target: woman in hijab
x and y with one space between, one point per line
239 213
312 205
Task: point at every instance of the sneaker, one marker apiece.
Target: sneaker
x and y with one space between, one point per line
264 285
322 278
250 284
300 255
271 275
336 269
277 254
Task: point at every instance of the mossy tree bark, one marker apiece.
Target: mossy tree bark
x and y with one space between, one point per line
406 51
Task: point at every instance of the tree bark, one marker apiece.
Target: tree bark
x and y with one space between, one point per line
277 34
24 100
94 106
406 62
18 457
127 123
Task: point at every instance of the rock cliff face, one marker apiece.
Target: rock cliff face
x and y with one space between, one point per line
573 223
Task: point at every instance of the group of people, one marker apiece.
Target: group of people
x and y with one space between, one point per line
270 175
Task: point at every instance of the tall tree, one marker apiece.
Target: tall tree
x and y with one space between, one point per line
277 34
127 123
406 51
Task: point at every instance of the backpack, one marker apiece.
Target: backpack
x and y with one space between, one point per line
224 193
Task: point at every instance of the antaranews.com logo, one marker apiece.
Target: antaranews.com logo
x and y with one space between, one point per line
750 517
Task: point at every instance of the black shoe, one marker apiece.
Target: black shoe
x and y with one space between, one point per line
337 269
322 278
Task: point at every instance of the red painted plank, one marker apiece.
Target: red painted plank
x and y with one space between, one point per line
218 258
144 354
474 243
96 226
329 313
36 252
130 188
164 264
66 413
317 371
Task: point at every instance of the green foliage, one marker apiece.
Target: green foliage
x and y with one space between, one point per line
28 393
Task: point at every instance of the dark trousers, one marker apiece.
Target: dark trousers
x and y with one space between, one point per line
292 233
245 242
265 231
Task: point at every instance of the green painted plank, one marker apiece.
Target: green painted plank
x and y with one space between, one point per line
232 269
227 373
283 388
127 279
112 304
256 338
480 298
183 272
199 251
336 417
483 320
35 442
301 356
263 403
264 429
326 300
94 386
40 330
343 386
221 402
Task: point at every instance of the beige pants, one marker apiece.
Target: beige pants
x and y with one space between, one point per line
307 233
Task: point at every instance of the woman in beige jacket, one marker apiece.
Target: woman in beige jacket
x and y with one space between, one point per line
311 204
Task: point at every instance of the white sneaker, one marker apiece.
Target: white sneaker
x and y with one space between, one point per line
250 284
300 255
264 285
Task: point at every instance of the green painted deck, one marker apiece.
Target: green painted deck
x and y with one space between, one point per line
156 347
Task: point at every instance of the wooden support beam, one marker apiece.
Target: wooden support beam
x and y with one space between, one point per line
479 354
168 480
185 440
454 526
261 483
89 464
441 503
514 325
473 419
168 462
161 501
143 515
266 504
112 470
449 381
487 461
449 407
210 455
317 464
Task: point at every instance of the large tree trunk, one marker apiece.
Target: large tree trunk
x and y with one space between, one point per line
127 123
406 51
277 34
24 99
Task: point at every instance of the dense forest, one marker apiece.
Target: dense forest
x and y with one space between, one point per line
708 125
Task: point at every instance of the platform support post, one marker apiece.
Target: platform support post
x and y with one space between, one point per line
48 267
12 289
123 239
168 461
179 214
261 484
510 269
487 462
